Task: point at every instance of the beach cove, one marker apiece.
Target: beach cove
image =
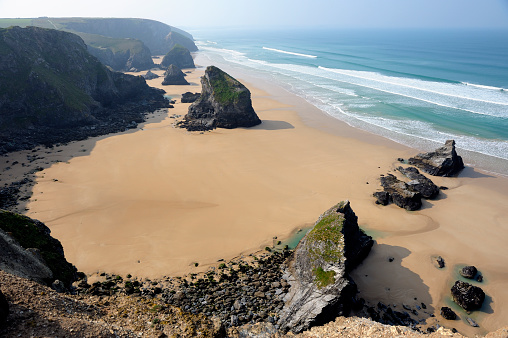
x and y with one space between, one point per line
155 201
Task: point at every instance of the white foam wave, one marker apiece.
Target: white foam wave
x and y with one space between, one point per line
290 53
484 87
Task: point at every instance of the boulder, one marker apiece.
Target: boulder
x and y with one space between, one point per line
400 193
471 322
468 272
4 308
448 313
174 76
150 75
320 286
178 56
189 97
444 161
469 297
419 182
224 103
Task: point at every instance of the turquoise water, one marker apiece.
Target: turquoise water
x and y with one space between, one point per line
418 88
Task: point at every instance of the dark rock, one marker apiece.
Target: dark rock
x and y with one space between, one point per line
382 197
178 56
400 159
469 297
4 308
318 270
58 286
448 313
440 262
419 182
468 272
400 193
189 97
471 322
150 75
174 76
479 278
126 55
444 161
224 103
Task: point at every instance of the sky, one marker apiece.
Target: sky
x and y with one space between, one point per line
190 14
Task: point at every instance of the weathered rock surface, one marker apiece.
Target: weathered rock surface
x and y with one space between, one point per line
174 76
469 297
119 54
448 313
419 182
468 272
399 192
150 75
189 97
444 161
4 308
28 250
224 103
52 90
318 270
178 56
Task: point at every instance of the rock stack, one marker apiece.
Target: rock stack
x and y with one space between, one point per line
174 76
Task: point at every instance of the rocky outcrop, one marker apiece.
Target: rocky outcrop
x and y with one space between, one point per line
189 97
468 272
444 161
318 270
52 90
419 182
178 56
469 297
224 103
28 250
150 75
4 308
174 76
399 192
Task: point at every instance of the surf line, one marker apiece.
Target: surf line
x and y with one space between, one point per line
291 53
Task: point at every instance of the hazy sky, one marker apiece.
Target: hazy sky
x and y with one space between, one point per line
287 13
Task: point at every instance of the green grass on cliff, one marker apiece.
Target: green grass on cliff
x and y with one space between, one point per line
323 278
224 88
4 23
114 44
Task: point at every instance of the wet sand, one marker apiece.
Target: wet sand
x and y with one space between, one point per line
154 201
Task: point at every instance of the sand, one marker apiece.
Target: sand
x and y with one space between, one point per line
155 201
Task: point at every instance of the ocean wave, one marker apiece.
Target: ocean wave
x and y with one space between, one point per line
485 87
290 53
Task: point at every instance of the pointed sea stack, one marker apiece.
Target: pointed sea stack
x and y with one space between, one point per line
224 103
178 56
444 161
318 270
174 76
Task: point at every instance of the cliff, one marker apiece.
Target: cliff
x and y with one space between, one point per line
224 103
52 90
178 56
318 270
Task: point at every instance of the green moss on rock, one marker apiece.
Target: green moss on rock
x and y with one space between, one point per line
323 278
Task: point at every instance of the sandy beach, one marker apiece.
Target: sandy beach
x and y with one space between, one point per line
154 201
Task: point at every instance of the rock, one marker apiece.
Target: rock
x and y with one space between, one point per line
440 262
224 103
448 313
400 193
469 297
189 97
178 56
58 286
479 278
4 308
444 161
419 182
321 288
468 272
150 75
174 76
126 55
471 322
382 197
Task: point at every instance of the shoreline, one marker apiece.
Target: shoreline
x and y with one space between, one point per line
320 168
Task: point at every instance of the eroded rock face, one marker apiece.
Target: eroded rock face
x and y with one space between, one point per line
318 270
189 97
399 192
444 161
178 56
469 297
419 182
224 103
174 76
4 308
150 75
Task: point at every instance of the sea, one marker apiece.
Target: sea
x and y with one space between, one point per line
416 87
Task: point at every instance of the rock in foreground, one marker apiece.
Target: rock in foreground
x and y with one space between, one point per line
419 182
468 272
174 76
399 192
318 270
224 103
469 297
444 161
